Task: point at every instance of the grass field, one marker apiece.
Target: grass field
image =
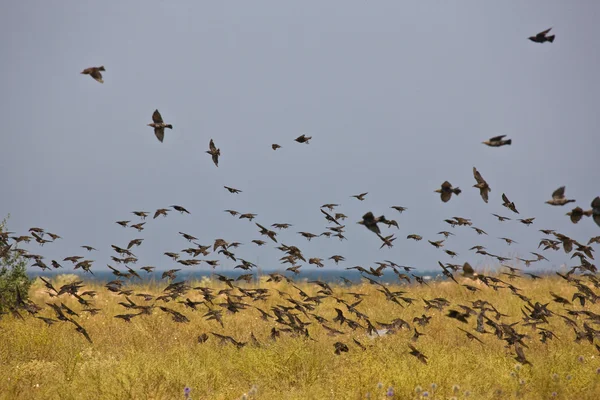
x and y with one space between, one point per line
154 357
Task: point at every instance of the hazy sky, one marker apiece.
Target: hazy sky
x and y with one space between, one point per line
398 96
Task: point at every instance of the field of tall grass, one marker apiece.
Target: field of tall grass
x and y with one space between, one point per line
154 357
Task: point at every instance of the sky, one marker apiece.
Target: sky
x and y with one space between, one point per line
398 97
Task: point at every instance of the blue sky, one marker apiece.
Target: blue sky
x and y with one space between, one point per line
398 97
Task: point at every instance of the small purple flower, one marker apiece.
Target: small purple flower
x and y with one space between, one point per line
390 392
186 392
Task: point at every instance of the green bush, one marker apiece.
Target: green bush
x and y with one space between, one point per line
13 274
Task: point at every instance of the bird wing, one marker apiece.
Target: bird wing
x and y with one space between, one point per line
478 176
368 216
211 145
156 117
446 185
446 196
559 193
484 194
96 75
543 33
497 138
160 134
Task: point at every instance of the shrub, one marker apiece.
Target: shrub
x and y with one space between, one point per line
13 273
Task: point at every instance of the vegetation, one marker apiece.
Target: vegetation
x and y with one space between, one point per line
154 357
13 274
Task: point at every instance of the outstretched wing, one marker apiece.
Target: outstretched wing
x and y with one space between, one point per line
156 117
559 193
497 138
160 133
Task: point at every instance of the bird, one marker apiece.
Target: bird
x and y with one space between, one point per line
501 218
275 146
420 356
468 271
526 221
400 209
542 37
232 190
181 209
446 191
161 211
94 72
303 139
159 125
577 213
370 222
214 152
596 210
558 198
482 185
508 204
361 196
497 141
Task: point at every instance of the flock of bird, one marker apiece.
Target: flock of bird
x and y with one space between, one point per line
296 312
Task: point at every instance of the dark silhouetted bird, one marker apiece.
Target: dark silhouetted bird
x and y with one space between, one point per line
370 222
542 37
303 139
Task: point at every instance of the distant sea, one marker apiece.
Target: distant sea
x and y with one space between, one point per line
326 275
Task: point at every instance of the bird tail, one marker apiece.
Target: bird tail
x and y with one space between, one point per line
381 219
509 141
550 38
457 191
101 68
169 126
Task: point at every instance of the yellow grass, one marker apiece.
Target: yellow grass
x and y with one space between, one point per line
154 357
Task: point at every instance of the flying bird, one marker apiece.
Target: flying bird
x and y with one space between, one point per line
275 146
577 213
596 210
497 141
303 139
509 204
159 126
482 185
232 190
361 196
370 222
558 198
214 152
446 191
94 72
542 37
